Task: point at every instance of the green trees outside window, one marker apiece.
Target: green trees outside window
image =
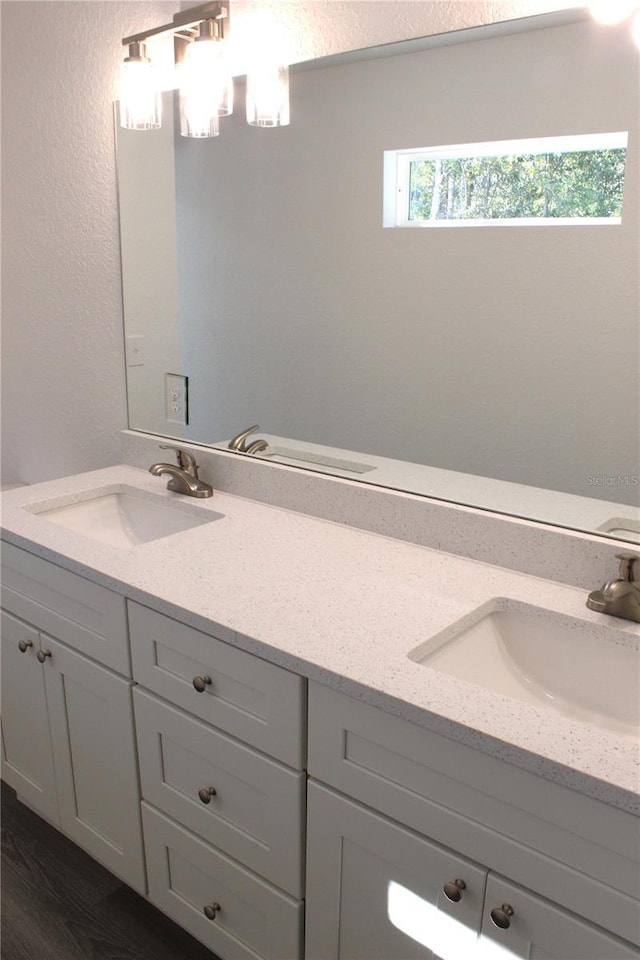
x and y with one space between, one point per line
587 183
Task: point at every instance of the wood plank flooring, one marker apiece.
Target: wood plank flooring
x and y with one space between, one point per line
59 904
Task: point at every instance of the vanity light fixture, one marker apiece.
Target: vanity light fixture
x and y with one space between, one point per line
140 102
202 76
268 96
206 87
612 12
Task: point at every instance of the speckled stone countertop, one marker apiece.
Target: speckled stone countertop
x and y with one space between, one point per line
342 607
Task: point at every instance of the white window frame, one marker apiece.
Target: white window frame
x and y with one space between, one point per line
397 166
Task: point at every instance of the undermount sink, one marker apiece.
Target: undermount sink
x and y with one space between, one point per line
124 516
581 670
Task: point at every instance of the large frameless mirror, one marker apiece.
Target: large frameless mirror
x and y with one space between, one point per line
490 364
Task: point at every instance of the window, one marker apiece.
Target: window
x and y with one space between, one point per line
550 180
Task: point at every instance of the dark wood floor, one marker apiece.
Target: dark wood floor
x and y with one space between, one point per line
59 904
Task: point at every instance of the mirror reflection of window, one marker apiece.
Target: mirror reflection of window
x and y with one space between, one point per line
575 180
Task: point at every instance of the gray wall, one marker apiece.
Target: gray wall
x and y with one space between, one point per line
506 352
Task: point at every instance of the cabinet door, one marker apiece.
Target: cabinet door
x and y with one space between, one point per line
376 891
92 732
27 763
536 928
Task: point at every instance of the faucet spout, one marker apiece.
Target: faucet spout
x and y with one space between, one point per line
620 597
596 601
183 475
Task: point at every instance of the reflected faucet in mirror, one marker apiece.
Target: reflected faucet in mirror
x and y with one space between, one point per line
240 445
620 597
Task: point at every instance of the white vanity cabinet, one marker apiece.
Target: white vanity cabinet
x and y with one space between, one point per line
417 846
67 721
426 812
221 741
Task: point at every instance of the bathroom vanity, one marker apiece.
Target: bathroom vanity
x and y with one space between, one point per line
233 718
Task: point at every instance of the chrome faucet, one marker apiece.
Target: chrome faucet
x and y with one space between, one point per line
239 442
184 475
621 597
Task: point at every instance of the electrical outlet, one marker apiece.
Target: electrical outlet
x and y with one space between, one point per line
176 398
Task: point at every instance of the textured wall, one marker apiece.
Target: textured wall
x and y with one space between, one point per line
63 372
63 377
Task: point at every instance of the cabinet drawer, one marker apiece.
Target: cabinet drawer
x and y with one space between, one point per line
256 812
247 697
575 850
83 614
376 891
186 875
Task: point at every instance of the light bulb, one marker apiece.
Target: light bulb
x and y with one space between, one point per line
268 96
610 12
635 28
140 101
206 89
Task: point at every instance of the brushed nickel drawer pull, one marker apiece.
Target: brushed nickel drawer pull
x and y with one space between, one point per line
501 916
206 793
210 911
453 891
23 645
201 683
43 654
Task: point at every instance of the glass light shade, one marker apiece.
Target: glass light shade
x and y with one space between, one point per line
196 117
268 97
206 89
140 101
609 12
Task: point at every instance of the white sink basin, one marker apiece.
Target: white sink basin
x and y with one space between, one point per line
576 668
125 517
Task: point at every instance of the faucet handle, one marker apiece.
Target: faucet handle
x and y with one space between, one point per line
628 568
186 461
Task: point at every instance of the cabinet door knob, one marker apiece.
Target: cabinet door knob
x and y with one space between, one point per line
201 683
23 645
206 793
501 916
43 654
211 910
453 891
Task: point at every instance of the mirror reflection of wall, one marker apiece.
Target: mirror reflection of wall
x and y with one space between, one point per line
503 352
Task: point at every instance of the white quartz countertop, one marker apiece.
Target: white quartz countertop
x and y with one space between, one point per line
345 608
